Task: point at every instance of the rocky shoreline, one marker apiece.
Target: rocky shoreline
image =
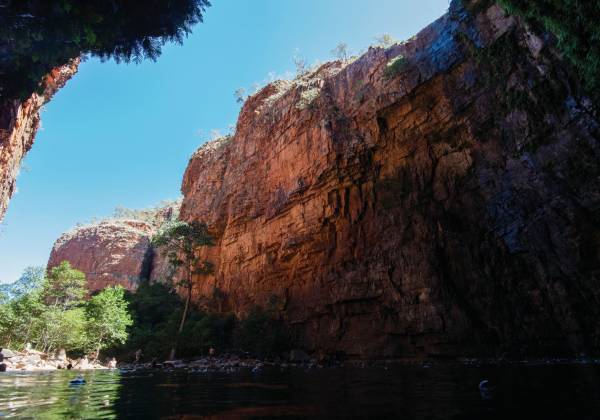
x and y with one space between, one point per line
234 363
33 360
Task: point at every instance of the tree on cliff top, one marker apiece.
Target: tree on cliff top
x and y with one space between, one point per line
37 35
180 242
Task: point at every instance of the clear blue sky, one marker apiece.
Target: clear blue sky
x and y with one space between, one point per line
123 134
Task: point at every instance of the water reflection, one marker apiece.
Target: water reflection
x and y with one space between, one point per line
408 392
48 395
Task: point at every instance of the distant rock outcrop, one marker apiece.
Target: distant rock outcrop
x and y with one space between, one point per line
116 252
108 253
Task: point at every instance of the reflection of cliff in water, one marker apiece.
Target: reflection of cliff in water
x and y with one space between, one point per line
407 392
421 391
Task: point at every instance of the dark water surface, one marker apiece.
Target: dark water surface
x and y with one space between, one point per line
570 391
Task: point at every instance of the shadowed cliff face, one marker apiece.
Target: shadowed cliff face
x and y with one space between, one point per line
19 122
440 197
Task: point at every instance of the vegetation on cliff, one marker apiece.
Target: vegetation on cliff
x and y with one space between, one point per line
49 312
39 35
575 25
167 211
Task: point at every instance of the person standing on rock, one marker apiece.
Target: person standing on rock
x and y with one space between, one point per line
138 355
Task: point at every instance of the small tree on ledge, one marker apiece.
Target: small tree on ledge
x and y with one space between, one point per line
179 242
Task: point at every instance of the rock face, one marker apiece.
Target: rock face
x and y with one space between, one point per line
117 252
19 122
440 197
109 253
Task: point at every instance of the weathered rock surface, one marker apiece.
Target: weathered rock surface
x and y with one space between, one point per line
117 252
437 198
109 253
19 122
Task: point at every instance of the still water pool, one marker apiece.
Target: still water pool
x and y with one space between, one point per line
568 391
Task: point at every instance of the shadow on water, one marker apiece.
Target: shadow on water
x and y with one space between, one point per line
408 392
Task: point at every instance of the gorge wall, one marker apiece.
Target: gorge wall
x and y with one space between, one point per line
19 122
437 198
440 197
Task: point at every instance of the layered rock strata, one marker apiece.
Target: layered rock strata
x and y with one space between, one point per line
436 198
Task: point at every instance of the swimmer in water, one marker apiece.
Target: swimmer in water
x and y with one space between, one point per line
78 381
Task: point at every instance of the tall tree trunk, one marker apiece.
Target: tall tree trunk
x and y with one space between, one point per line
183 318
98 347
28 331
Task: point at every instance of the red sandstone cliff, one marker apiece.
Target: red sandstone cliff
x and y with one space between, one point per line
117 252
19 122
436 198
439 197
108 253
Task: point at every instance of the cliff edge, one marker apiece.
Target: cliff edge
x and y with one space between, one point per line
19 122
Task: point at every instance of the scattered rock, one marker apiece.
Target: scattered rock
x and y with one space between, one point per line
6 353
299 356
32 360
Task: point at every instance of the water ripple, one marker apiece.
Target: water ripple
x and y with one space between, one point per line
440 392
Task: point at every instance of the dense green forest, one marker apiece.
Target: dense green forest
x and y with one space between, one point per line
51 312
156 311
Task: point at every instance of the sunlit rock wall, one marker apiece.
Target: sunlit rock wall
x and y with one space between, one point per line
436 198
